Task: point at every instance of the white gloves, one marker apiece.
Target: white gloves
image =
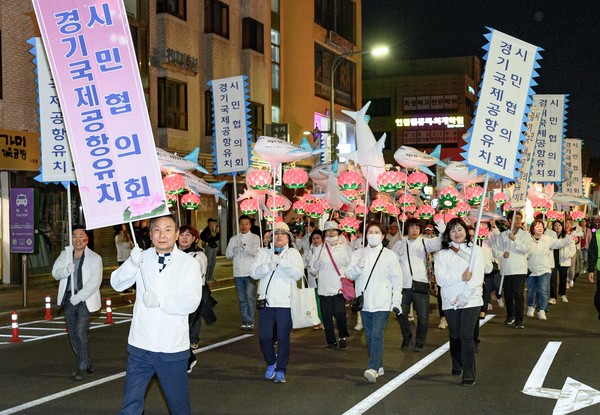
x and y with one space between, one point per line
71 268
240 244
459 302
440 225
75 299
151 299
272 266
136 255
362 262
276 259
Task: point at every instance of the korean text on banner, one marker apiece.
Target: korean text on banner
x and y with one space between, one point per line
89 48
232 124
504 96
547 158
519 196
573 182
56 161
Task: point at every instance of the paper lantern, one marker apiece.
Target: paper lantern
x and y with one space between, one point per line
249 206
350 180
484 233
298 207
295 178
553 215
190 201
463 209
391 209
360 210
351 194
259 179
474 195
326 207
507 207
171 199
409 209
541 205
349 224
378 205
270 216
444 217
499 198
449 198
405 199
577 215
276 204
391 180
174 184
309 199
403 218
425 212
417 180
313 210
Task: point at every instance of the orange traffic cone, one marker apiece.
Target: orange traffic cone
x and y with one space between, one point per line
48 315
15 328
109 319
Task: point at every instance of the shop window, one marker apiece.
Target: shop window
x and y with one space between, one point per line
172 104
173 7
216 18
253 36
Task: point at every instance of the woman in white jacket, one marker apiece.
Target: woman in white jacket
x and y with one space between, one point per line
459 269
314 252
562 260
539 263
378 277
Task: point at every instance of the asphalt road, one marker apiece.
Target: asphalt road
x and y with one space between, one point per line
229 376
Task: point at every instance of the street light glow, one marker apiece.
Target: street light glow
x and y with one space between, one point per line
380 51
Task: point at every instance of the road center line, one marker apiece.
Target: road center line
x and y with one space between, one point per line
385 390
95 383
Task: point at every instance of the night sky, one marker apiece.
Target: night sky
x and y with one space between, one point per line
567 30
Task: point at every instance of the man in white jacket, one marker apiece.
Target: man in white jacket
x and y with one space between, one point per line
169 288
79 270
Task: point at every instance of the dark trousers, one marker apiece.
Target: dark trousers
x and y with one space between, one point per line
597 295
268 319
211 256
334 306
171 370
514 285
420 304
488 287
560 274
439 301
77 319
461 327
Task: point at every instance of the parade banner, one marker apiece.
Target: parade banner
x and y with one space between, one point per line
519 196
547 158
231 124
504 97
573 182
56 161
93 64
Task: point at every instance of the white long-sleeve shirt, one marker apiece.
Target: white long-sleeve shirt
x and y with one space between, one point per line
541 258
516 263
242 248
329 280
417 254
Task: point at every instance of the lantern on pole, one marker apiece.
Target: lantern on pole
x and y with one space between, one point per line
449 198
299 207
417 180
391 181
249 207
190 201
350 180
295 178
174 184
425 212
349 224
474 195
259 179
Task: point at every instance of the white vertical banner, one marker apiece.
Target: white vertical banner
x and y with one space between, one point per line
519 194
505 94
547 158
573 183
55 154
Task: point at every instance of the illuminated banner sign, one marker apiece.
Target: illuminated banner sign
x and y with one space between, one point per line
573 183
505 94
547 157
519 196
232 125
96 74
56 161
446 121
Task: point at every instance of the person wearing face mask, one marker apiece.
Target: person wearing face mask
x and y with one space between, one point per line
378 277
277 269
459 269
330 268
314 252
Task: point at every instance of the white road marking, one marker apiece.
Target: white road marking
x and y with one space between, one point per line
385 390
89 385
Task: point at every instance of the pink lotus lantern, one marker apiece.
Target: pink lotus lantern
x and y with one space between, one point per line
484 233
313 210
360 210
405 199
349 224
507 207
351 194
309 199
553 215
295 178
409 209
298 207
463 209
474 195
391 180
425 212
270 216
449 197
378 205
438 217
174 184
417 180
276 204
577 215
190 201
249 206
499 198
391 209
259 179
403 217
171 199
350 180
326 207
541 205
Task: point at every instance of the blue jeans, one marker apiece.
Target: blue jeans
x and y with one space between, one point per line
77 319
374 325
268 319
539 286
246 291
171 369
420 303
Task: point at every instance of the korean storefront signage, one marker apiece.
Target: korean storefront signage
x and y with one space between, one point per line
22 232
19 150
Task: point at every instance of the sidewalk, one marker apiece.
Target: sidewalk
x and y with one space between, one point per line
40 286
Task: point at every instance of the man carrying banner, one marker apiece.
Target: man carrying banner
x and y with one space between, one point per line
84 298
169 288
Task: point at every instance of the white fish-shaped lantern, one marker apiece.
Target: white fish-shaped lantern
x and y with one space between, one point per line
411 158
459 172
199 186
275 150
170 162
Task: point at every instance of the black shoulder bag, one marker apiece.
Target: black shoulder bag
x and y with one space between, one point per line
358 302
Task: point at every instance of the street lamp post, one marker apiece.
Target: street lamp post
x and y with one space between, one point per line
333 138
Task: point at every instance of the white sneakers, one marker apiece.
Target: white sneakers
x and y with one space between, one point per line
371 375
443 323
380 372
542 315
530 311
489 307
552 301
564 299
500 302
358 326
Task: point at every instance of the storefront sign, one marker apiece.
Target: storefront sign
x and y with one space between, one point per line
19 150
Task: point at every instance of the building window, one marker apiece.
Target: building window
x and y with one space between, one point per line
208 114
257 120
216 18
253 36
275 60
338 16
344 76
172 104
173 7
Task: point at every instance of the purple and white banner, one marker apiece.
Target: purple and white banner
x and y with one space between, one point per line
94 66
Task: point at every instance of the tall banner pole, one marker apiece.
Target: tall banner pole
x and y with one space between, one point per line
69 227
235 195
135 242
